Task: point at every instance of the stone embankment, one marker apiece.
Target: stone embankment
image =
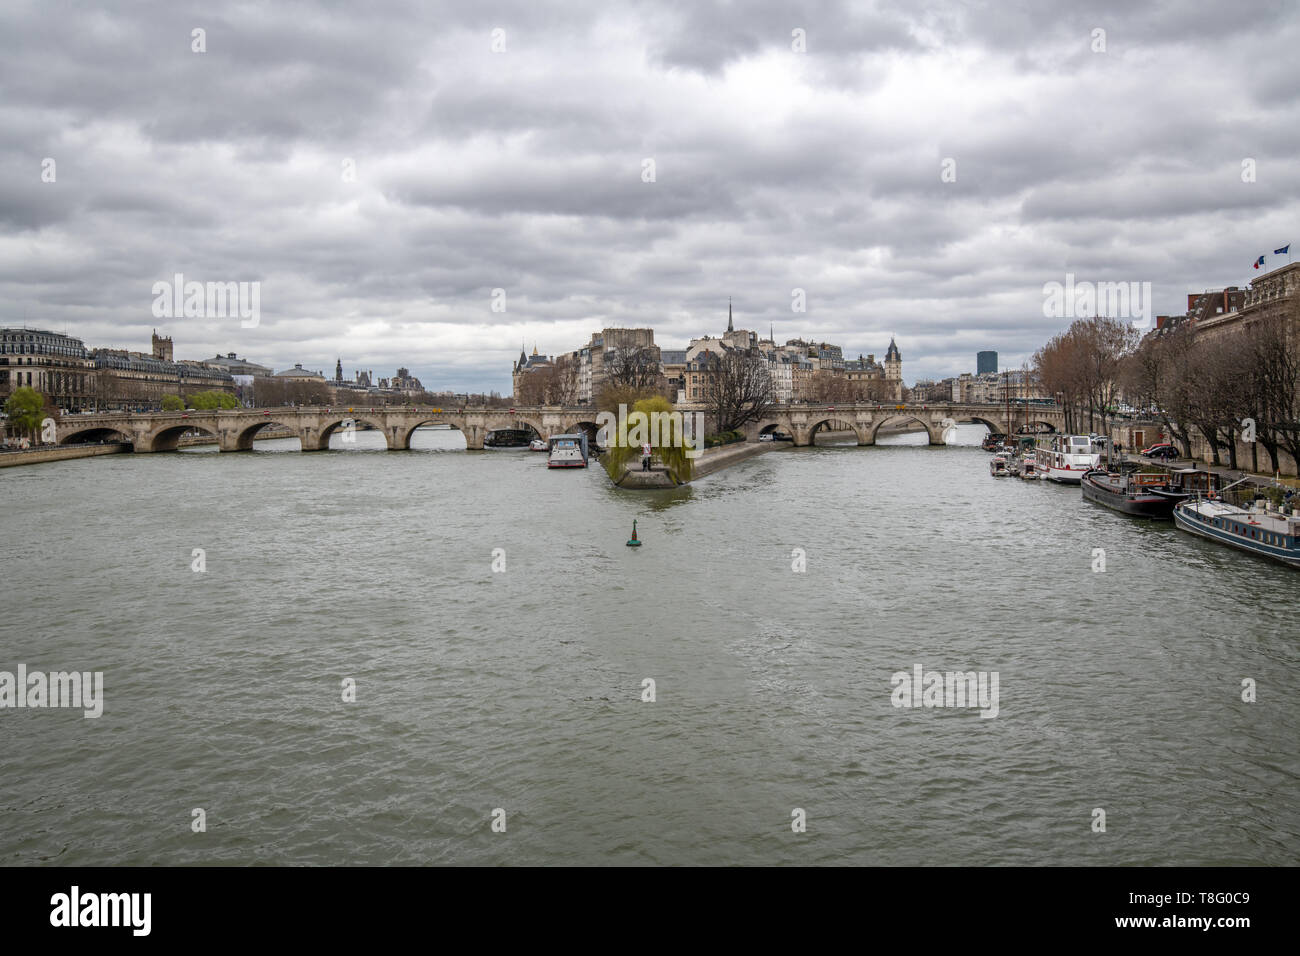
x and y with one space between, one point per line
713 459
34 456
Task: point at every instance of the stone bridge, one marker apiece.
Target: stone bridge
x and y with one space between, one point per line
236 428
803 422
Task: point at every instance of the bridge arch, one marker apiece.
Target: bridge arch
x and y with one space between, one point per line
332 423
994 426
91 433
244 438
409 429
506 422
590 428
1036 428
836 424
536 424
933 430
167 437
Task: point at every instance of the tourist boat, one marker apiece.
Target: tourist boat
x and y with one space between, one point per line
1259 530
567 451
538 444
992 441
1029 468
1132 493
1065 458
998 466
507 438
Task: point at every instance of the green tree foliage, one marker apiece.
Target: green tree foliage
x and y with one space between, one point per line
25 408
206 401
662 427
172 403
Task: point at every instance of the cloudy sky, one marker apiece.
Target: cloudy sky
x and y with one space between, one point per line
381 168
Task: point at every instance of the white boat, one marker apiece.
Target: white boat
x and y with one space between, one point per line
1029 468
567 451
1065 458
998 466
538 444
1259 529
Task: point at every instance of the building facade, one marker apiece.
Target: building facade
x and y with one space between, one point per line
56 365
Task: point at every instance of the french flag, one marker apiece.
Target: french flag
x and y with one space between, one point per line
1259 262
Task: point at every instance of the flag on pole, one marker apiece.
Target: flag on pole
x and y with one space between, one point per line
1284 251
1259 262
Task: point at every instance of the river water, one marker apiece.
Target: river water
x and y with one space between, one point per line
521 689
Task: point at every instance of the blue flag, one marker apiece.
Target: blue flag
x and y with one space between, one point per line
1284 251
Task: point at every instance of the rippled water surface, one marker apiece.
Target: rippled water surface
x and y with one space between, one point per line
522 689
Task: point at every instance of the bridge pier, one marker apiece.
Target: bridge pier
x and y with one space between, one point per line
233 440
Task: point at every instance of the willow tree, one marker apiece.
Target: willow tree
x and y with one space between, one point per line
653 421
26 410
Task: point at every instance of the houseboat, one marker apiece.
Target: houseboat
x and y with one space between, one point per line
1065 458
998 466
1258 529
567 451
1130 493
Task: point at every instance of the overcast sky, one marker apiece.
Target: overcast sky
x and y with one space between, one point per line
523 170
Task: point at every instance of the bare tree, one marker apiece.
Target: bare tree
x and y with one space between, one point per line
1059 366
636 368
1275 369
738 389
830 388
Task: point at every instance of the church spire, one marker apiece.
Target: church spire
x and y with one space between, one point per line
730 328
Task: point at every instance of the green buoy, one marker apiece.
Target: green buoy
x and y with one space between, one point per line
633 542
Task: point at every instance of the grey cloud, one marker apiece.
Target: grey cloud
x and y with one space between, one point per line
522 170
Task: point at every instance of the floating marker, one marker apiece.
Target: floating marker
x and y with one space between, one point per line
633 542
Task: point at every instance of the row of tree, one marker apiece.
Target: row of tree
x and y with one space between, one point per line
1238 384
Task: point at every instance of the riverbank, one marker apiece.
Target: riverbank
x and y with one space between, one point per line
35 456
713 459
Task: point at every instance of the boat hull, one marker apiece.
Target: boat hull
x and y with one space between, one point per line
1063 476
1287 556
1144 505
